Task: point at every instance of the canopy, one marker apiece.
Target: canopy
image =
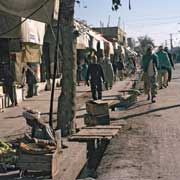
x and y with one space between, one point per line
7 22
23 8
32 31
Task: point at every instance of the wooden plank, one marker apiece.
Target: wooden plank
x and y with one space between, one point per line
103 127
86 138
91 120
111 102
70 162
35 158
34 166
97 132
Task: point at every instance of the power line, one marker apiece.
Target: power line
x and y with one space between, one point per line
153 24
155 19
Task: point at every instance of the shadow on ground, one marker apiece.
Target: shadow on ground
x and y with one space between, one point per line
147 112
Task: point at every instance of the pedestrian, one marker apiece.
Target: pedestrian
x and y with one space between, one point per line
96 76
10 87
79 71
84 70
114 64
108 72
164 67
31 81
150 65
172 63
120 67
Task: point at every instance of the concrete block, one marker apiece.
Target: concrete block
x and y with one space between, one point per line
97 107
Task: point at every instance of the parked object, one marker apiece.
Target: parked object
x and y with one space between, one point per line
98 113
128 98
97 107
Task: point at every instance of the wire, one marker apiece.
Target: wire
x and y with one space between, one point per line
19 24
154 19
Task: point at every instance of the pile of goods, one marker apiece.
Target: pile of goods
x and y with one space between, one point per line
37 148
128 98
41 140
7 156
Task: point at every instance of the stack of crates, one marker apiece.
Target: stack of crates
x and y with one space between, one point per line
97 113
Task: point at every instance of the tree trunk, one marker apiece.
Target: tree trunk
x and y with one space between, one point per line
67 99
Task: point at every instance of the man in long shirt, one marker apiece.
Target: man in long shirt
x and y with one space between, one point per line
164 67
172 64
95 75
150 65
108 72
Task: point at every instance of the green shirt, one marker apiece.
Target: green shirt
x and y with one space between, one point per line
164 61
147 58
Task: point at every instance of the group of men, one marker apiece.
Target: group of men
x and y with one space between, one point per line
157 69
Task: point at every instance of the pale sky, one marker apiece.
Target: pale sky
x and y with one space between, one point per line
155 18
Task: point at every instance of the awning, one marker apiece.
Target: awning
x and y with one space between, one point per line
104 43
83 41
83 38
7 22
23 8
32 31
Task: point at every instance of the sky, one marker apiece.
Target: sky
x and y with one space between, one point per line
155 18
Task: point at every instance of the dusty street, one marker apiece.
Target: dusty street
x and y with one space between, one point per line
41 103
149 149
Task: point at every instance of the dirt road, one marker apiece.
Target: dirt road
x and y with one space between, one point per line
150 148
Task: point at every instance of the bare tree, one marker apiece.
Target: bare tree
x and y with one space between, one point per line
67 99
143 42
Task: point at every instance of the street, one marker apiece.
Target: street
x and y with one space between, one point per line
149 149
89 90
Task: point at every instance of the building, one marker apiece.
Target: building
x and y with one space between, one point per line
113 34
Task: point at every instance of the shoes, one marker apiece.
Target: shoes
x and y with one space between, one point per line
153 100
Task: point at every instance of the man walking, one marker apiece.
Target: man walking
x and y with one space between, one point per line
108 72
149 65
164 67
95 75
120 67
172 64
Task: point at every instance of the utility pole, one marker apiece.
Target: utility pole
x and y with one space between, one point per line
166 44
109 20
171 40
119 21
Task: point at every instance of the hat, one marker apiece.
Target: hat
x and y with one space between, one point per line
149 46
